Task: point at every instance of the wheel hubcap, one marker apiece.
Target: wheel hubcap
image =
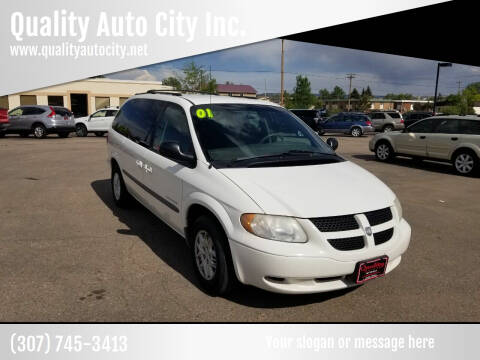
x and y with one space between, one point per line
382 152
355 132
464 163
205 255
38 131
387 129
117 187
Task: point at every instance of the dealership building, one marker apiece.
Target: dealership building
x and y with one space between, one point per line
83 97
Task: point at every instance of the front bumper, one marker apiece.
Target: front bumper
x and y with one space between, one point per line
302 274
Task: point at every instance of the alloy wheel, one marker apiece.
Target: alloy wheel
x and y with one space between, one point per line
464 163
383 152
205 255
356 132
39 132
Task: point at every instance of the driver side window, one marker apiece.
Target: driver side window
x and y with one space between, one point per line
101 113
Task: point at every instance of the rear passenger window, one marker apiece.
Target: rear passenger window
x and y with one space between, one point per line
111 113
32 111
394 115
423 126
173 127
470 127
377 116
447 126
136 119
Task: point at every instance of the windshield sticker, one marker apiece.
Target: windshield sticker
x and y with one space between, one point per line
201 113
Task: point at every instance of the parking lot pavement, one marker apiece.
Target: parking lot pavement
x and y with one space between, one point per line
67 254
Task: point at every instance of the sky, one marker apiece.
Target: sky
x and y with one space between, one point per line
258 65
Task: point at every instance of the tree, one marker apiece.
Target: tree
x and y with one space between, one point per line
368 91
302 93
196 78
338 93
364 99
462 104
324 94
172 81
355 94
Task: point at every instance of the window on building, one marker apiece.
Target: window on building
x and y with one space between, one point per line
28 100
3 102
122 100
55 100
101 102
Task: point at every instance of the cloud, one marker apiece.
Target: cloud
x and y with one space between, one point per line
133 74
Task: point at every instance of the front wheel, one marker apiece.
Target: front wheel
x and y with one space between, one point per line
384 151
81 130
465 162
211 257
120 193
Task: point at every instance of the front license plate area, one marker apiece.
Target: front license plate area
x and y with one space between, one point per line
370 269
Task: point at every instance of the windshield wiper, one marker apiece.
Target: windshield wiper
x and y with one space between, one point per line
288 156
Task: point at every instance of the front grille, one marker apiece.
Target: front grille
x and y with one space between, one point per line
345 244
383 236
335 223
377 217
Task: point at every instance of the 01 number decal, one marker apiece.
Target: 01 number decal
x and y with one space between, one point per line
201 113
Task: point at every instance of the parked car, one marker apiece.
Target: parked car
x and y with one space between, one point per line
40 120
99 122
455 139
412 117
353 123
238 178
387 120
309 117
4 124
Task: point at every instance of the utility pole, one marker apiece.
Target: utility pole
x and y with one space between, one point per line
350 77
439 65
459 84
281 76
265 89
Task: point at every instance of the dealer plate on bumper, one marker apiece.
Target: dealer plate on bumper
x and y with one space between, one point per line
370 269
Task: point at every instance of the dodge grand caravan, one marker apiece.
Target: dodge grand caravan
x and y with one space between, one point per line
239 178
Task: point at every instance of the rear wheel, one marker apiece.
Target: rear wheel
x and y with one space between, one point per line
120 193
211 256
39 131
387 128
465 162
384 151
356 132
81 130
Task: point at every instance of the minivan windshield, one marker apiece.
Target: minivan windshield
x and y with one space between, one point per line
247 135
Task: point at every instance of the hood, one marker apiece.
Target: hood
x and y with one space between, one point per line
313 191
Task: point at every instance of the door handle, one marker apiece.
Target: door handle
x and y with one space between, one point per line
422 137
454 138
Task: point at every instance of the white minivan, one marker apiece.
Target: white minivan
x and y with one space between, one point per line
258 196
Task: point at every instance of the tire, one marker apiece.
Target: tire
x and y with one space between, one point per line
120 194
39 131
465 162
63 134
356 131
384 151
99 133
387 128
211 257
81 130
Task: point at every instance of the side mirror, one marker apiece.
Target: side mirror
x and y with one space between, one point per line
172 150
333 143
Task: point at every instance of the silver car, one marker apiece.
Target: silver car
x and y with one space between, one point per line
387 120
41 120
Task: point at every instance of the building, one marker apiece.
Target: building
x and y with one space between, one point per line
236 90
380 104
83 97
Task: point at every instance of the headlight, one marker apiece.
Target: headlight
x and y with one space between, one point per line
398 206
280 228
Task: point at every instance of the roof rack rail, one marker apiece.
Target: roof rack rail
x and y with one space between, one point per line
175 92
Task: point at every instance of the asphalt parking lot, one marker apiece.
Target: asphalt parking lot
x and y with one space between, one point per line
67 254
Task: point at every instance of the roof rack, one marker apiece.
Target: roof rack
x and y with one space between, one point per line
175 92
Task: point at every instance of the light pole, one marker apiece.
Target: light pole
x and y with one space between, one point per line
439 65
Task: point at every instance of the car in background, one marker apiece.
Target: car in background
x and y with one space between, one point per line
353 123
98 123
4 124
40 120
309 117
387 120
454 139
412 117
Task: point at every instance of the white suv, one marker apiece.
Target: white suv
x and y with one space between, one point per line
99 122
239 178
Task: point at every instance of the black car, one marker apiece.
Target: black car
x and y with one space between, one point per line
412 117
309 117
